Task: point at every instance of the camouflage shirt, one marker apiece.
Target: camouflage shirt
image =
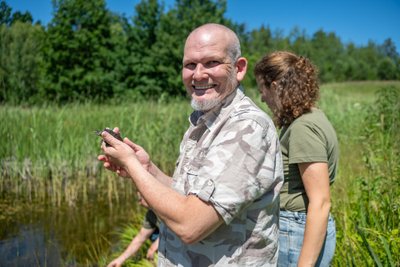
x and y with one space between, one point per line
230 157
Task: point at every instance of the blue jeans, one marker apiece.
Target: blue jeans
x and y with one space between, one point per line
291 234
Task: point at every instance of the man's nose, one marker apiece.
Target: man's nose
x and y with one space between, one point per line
199 72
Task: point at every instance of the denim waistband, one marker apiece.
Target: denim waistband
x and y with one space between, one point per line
293 214
296 214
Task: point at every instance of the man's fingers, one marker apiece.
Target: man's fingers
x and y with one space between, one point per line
102 158
132 144
129 142
109 139
116 130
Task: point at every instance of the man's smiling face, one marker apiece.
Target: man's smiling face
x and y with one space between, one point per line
208 73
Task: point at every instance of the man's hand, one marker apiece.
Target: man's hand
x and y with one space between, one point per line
141 155
115 153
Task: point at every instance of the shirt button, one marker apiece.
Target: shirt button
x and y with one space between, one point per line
209 182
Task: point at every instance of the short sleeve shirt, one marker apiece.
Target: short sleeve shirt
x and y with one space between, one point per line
230 157
309 138
150 220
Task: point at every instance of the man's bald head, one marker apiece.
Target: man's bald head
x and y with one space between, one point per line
220 33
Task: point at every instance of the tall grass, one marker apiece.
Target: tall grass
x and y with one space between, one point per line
51 153
365 197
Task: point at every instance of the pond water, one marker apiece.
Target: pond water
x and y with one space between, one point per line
33 234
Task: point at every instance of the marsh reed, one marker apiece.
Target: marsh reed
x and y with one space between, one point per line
51 153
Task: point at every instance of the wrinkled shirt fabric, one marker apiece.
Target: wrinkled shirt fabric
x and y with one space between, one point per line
229 157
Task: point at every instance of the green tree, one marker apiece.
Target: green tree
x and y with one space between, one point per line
141 75
7 17
327 52
21 61
79 56
22 17
258 45
120 54
279 40
387 69
300 43
388 49
368 60
5 13
390 62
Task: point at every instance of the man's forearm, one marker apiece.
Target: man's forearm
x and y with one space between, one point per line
179 212
160 175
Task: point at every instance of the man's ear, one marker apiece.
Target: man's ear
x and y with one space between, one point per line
241 68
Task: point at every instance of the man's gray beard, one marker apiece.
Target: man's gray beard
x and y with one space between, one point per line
205 105
209 104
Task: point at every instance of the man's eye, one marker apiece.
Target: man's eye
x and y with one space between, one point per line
190 66
212 63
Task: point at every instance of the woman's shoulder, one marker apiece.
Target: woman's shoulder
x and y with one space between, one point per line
314 117
315 122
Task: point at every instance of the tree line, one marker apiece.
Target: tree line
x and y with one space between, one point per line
88 53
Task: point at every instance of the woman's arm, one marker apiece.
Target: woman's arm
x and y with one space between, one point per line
315 178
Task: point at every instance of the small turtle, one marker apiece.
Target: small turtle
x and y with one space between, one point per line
108 130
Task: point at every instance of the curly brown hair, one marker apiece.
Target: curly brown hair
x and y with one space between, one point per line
295 81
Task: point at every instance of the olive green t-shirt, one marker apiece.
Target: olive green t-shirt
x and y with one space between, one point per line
309 138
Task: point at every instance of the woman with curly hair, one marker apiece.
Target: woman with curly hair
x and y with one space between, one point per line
289 85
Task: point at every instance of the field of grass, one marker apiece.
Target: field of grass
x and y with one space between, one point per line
366 202
49 154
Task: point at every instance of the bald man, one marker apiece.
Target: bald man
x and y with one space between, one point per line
221 205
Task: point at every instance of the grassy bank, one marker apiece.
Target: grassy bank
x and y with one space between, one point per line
49 154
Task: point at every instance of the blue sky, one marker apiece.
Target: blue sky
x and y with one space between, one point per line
354 21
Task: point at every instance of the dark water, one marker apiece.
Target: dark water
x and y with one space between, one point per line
31 246
35 234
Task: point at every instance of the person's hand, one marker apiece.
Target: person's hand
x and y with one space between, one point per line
118 153
150 254
141 154
116 263
152 250
109 165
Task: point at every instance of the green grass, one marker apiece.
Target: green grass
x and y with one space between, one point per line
365 195
49 154
358 91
